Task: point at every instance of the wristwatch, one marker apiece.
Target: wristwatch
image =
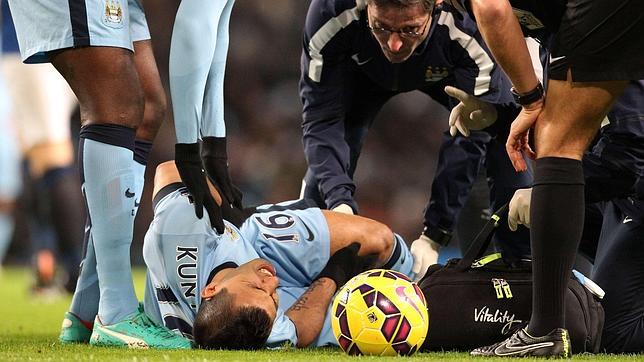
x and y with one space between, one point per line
528 98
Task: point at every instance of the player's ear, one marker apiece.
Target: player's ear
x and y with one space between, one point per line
209 291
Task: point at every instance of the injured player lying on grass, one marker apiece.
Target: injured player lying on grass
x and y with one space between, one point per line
266 281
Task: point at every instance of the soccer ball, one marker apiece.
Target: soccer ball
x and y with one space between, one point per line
380 312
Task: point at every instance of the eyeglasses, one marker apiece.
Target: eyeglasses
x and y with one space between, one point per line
407 33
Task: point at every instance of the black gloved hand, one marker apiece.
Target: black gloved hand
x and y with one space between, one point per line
193 176
344 265
215 160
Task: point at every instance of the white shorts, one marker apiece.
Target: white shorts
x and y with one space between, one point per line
43 26
42 102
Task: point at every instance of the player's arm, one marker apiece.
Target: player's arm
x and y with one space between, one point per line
309 311
503 35
322 87
167 173
479 92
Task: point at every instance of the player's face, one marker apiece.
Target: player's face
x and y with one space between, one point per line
251 284
398 30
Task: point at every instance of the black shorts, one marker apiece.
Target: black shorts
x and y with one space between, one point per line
599 40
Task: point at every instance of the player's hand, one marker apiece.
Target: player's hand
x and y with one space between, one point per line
425 253
193 176
343 208
344 265
517 143
519 213
471 114
215 160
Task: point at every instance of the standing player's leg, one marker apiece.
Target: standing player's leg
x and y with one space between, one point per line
155 108
562 133
154 114
84 307
111 109
620 272
212 120
192 51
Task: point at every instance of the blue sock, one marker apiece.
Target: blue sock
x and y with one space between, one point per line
6 232
85 300
105 160
401 259
87 294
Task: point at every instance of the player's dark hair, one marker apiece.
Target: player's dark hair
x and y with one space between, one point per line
219 325
427 4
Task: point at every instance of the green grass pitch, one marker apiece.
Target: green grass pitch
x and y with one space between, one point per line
29 330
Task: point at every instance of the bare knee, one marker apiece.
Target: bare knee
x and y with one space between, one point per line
106 84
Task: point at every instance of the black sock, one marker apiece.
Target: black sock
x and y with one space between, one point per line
557 218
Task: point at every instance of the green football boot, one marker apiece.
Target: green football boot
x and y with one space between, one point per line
74 330
137 331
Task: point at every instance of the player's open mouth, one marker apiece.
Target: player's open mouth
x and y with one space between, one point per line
267 270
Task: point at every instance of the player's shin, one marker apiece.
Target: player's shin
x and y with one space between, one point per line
557 217
106 157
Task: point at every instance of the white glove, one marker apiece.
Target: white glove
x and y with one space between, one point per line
343 208
520 209
471 114
425 253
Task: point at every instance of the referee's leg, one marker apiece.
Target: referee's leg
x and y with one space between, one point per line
563 131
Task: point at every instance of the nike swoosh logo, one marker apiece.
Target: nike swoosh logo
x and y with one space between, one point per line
627 219
400 291
129 194
511 350
357 60
308 230
130 341
552 60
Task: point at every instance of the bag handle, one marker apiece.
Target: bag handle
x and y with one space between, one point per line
482 240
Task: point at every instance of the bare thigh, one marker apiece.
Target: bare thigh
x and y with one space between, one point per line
105 82
572 115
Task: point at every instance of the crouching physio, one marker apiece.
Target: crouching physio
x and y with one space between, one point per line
267 280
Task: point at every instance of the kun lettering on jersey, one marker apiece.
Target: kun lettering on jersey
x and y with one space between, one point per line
187 272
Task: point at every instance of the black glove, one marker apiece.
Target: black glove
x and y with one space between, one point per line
215 160
193 176
345 264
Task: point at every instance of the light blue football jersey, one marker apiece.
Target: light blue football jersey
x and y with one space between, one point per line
181 252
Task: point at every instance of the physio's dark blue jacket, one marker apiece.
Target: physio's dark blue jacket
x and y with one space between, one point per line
346 78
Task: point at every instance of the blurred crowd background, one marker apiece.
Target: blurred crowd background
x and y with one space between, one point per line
263 118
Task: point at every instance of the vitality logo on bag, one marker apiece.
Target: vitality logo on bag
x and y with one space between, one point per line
484 315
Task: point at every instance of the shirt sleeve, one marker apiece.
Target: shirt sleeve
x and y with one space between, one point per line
283 332
323 88
475 71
